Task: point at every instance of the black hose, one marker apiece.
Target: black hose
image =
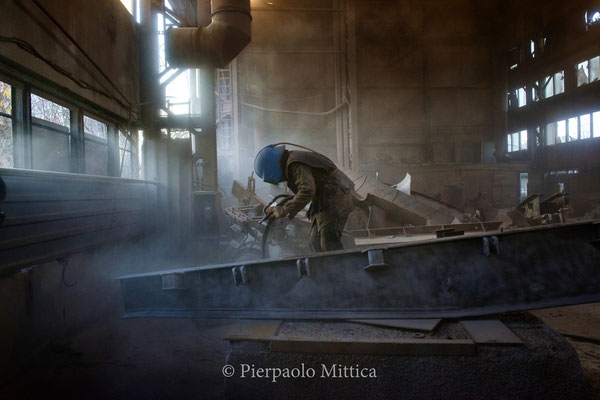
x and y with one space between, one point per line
265 234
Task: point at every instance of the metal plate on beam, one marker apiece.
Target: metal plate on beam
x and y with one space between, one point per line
425 325
490 332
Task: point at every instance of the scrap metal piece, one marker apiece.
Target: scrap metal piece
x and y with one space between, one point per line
490 332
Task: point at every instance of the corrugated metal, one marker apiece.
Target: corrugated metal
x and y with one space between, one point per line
49 215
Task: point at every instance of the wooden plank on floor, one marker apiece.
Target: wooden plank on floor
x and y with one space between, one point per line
425 325
253 330
408 347
490 332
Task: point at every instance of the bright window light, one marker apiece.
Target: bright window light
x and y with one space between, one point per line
583 73
129 4
596 123
561 131
573 130
524 180
532 48
551 133
521 97
584 126
549 87
559 82
523 140
594 69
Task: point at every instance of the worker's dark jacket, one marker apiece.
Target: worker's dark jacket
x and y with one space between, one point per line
315 178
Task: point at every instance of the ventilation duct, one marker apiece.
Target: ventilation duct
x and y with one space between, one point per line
215 45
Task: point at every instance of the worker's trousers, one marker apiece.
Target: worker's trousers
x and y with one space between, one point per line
329 237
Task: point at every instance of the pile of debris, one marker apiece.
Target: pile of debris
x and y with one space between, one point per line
383 214
537 210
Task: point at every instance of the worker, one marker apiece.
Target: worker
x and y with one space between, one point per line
315 179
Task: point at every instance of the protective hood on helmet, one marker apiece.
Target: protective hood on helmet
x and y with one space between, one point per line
267 166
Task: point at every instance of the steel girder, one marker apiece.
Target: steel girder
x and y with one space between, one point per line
454 277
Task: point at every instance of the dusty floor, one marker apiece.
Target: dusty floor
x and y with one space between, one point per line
584 321
182 358
107 357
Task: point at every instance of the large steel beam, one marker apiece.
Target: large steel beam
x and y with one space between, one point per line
463 276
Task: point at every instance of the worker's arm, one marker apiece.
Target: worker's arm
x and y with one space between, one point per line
303 178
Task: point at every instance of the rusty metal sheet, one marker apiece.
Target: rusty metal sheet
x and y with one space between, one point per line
478 274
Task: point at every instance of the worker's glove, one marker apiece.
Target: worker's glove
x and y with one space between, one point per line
275 212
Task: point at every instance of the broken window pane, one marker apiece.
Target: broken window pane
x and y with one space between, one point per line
95 128
551 133
596 123
559 82
523 140
549 87
521 97
594 69
573 131
49 111
584 126
6 143
582 73
5 98
561 131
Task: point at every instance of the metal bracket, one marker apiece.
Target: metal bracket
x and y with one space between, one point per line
490 245
240 275
173 282
303 265
376 260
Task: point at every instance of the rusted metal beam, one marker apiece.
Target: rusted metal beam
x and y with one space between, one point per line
479 274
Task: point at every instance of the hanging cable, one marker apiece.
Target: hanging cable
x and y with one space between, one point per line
295 112
83 52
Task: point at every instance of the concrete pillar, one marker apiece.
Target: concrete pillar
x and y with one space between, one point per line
206 142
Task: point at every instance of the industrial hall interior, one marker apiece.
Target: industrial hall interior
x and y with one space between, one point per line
300 199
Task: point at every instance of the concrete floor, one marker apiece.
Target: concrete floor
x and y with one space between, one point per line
110 357
582 320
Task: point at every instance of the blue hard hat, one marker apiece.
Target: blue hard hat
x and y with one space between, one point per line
266 164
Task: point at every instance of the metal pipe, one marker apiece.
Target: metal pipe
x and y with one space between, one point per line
215 45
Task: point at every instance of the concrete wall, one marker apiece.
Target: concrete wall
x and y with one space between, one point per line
289 65
425 81
428 84
104 29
